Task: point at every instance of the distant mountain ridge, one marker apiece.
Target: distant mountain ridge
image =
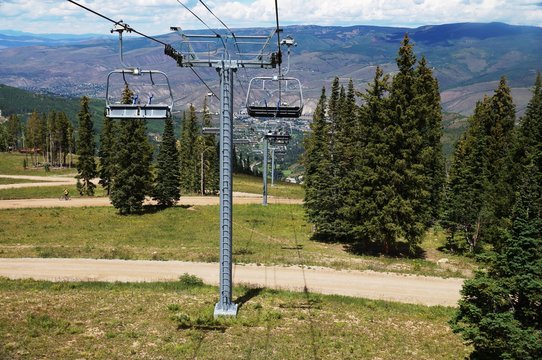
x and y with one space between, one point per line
468 59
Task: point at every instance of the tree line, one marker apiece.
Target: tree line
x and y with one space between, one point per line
374 172
125 165
375 178
494 207
48 138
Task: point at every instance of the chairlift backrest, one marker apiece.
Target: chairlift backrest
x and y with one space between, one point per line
274 97
152 97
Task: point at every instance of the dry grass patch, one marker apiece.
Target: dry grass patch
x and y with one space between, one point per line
174 320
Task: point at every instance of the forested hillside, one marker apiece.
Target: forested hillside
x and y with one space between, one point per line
21 102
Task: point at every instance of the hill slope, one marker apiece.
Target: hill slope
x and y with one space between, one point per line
468 59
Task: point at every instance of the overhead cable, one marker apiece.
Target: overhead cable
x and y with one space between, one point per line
130 29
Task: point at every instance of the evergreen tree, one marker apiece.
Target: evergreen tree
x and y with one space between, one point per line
319 187
190 157
344 160
464 206
107 154
61 137
86 166
372 209
480 186
410 184
33 135
498 161
167 183
431 156
132 179
529 142
3 137
500 312
13 131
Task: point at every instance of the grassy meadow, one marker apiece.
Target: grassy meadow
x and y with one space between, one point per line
12 164
276 234
174 320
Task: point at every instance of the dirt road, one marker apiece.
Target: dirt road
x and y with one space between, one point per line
367 284
238 198
37 181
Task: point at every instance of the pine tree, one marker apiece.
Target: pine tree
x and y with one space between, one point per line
431 156
61 137
107 154
132 179
167 183
529 142
499 129
372 209
13 131
86 148
33 135
344 165
500 312
410 184
319 187
467 182
486 173
190 158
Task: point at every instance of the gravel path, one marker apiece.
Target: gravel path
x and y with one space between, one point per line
239 198
367 284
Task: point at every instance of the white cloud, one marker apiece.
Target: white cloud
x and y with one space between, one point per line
155 16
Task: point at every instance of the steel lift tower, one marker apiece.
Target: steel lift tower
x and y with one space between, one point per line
194 52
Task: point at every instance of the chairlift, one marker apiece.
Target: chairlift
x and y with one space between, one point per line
274 97
151 100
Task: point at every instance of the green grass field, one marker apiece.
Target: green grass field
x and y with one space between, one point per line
43 192
8 181
174 321
276 234
252 184
12 164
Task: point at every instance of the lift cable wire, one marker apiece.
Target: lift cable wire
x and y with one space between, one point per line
200 20
126 27
231 32
130 29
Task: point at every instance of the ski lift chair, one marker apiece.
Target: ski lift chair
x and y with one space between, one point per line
274 97
140 108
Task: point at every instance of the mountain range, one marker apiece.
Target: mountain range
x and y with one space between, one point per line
467 58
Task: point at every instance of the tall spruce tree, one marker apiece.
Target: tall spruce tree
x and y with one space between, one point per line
132 179
464 211
530 131
318 176
189 153
86 150
13 131
107 154
167 183
485 171
431 157
372 210
344 165
500 312
410 184
498 161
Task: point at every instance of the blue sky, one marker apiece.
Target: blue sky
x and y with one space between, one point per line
156 16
